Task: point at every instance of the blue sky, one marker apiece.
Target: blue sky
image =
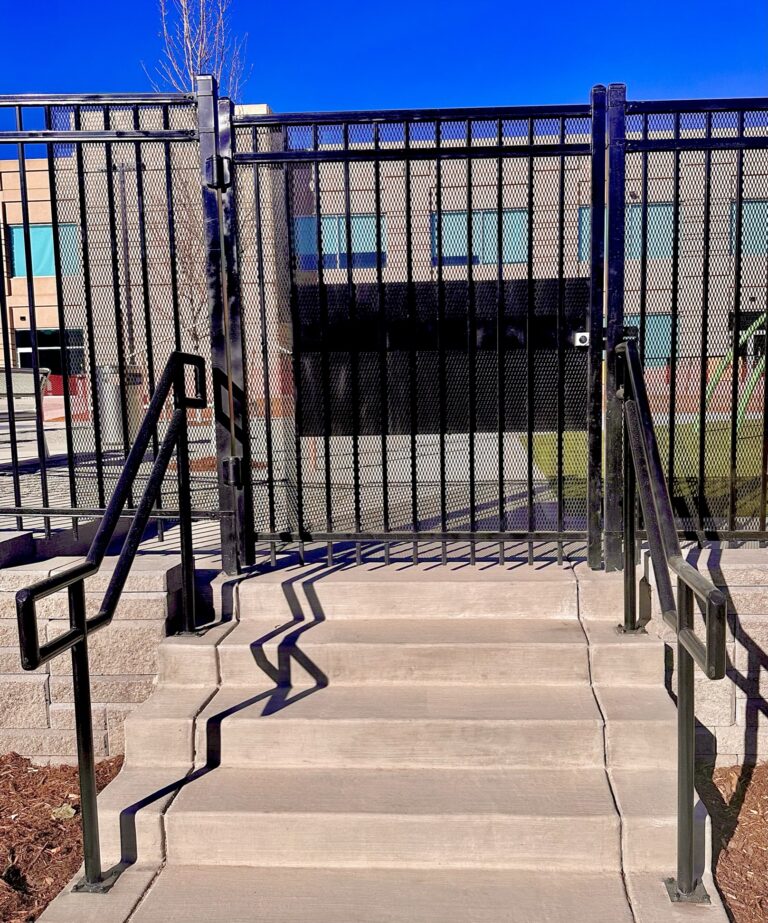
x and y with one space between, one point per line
343 54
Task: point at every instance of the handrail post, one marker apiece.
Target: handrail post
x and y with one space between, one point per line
185 511
81 685
630 539
685 888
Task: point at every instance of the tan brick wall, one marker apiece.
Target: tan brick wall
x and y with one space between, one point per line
36 709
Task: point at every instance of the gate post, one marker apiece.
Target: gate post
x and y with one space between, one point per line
595 326
226 345
614 301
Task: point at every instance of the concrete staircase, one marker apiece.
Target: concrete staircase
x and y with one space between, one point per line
392 744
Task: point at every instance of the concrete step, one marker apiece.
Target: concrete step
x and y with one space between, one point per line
440 818
205 894
623 660
403 726
377 591
641 727
378 651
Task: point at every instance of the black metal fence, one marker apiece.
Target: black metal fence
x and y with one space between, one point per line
103 263
403 312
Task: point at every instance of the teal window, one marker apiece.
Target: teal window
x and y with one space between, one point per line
41 241
485 240
659 230
333 241
657 343
585 232
754 227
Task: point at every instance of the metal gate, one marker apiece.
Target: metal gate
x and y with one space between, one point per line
417 305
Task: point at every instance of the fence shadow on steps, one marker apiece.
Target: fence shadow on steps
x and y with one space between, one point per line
281 696
725 812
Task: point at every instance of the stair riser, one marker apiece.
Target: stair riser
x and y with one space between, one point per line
392 841
403 663
642 744
650 844
361 743
392 599
623 665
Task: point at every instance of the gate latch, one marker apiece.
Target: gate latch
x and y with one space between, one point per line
231 471
581 338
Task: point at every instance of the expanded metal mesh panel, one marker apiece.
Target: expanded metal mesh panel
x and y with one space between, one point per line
411 291
696 267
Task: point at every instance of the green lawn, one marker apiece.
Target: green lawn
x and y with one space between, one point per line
717 463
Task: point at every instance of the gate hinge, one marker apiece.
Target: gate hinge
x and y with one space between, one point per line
218 172
232 471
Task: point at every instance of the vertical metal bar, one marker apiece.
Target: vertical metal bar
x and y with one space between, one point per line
442 413
595 325
116 289
764 457
686 749
81 684
615 325
643 241
169 197
737 295
146 300
354 356
501 358
412 323
675 310
325 371
471 352
89 320
32 307
560 351
236 352
530 323
296 357
265 365
381 308
63 353
210 168
7 360
703 369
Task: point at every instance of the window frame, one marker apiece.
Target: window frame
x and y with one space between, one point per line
479 216
307 260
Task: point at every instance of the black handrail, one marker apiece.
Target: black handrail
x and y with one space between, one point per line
34 655
644 477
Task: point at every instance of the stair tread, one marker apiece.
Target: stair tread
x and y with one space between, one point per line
194 894
524 793
397 703
430 632
636 703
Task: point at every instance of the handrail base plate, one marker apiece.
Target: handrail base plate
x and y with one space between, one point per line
697 896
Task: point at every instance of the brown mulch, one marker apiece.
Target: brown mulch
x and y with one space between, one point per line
40 836
737 799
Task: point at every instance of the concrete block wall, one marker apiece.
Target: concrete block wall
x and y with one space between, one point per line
36 709
732 713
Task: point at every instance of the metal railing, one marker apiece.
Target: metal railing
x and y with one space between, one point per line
644 479
34 654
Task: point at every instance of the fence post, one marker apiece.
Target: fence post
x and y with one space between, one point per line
214 172
595 323
238 377
614 309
